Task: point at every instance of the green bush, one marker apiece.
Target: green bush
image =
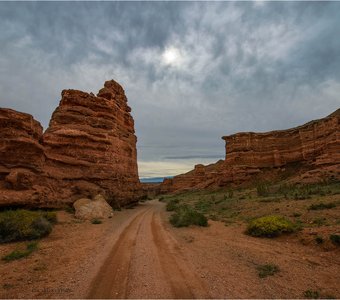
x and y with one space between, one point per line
203 205
335 238
185 216
267 270
172 205
262 189
319 221
321 206
96 221
17 254
309 294
70 209
18 225
270 226
319 240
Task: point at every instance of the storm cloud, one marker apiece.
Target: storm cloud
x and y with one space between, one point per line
192 71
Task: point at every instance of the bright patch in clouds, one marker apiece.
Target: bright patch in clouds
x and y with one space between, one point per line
207 69
171 56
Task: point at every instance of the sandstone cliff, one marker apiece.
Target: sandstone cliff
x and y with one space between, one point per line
307 153
21 156
88 148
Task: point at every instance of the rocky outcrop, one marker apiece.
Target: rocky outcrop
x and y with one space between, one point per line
90 144
308 153
88 148
20 146
21 156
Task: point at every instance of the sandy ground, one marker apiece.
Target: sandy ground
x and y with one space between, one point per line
138 254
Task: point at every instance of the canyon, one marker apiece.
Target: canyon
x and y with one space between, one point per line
306 154
89 148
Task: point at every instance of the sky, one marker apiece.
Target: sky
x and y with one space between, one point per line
192 71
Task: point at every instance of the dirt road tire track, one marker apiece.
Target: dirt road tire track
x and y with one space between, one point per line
183 280
111 280
146 262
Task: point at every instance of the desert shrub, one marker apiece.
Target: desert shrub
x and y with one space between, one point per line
18 254
284 189
270 226
319 221
267 270
296 215
185 216
69 209
335 238
321 206
96 221
270 199
231 194
172 205
262 189
319 240
203 205
17 225
309 294
50 216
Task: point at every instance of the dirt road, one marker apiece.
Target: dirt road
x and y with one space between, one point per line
146 262
138 254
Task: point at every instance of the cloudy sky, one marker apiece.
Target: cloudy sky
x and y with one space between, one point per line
192 71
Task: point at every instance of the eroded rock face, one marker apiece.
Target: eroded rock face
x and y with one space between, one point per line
21 156
20 137
91 140
308 153
88 148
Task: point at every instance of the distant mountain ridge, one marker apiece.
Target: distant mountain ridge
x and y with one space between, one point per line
154 179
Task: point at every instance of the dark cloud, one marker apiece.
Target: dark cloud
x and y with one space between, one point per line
239 66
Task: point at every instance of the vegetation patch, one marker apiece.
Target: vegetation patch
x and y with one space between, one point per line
18 225
185 216
335 239
319 240
319 221
70 209
321 206
96 221
172 205
267 270
309 294
270 226
262 189
18 254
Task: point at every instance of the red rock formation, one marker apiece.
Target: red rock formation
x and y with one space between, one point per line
310 151
89 148
21 156
90 144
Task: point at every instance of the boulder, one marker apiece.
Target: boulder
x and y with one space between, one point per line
87 209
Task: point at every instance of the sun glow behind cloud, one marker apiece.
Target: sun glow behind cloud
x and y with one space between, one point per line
172 56
192 71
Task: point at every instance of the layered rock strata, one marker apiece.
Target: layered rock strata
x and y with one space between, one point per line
308 153
21 156
88 148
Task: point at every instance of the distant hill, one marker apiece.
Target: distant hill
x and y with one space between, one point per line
153 179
